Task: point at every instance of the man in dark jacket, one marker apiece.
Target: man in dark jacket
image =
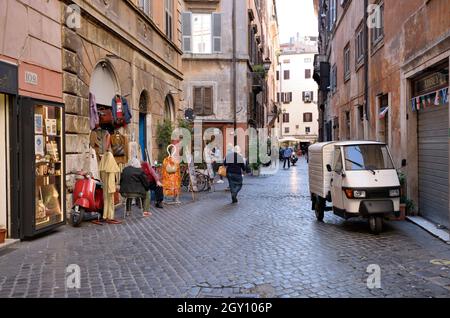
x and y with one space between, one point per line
134 183
236 166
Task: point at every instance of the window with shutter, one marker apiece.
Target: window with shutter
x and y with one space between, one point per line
208 101
286 75
202 32
307 117
145 5
286 118
203 101
169 18
307 74
187 31
198 100
217 32
287 97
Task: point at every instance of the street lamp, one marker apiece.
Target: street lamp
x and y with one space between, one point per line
267 63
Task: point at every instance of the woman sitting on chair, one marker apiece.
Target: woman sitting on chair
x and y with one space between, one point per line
135 184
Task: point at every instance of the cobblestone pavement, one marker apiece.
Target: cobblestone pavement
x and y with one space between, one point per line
269 245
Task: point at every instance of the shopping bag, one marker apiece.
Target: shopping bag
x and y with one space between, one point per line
222 171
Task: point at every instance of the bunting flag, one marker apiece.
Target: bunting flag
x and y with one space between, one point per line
423 102
438 98
443 93
429 101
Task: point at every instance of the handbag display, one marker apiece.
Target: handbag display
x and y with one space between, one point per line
105 116
171 168
118 145
120 122
222 171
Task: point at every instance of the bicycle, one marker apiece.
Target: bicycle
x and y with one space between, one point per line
202 178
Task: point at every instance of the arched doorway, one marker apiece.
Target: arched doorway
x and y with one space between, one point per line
104 85
143 122
169 108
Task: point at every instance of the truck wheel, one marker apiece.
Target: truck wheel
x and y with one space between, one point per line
319 208
376 224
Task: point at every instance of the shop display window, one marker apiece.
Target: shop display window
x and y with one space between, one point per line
49 165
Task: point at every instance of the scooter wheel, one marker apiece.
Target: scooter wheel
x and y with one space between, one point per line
376 224
76 216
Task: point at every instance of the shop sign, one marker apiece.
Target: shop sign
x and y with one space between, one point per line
31 78
8 78
430 83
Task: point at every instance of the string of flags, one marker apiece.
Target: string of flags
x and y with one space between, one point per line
437 98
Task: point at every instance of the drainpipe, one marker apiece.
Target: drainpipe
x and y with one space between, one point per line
234 74
366 65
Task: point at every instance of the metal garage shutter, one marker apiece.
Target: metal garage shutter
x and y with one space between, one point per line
433 164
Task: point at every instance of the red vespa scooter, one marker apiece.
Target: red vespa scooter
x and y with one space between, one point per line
87 198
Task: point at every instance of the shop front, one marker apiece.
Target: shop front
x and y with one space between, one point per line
430 104
35 125
8 92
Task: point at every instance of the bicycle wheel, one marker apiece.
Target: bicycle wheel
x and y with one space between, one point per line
202 183
186 183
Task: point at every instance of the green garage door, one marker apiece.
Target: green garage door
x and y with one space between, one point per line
433 163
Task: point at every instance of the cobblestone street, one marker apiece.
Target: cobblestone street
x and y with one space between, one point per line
269 245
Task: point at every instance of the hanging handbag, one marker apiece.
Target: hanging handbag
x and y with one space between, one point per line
105 116
171 168
118 145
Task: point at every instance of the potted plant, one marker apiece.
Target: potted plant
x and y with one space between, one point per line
164 137
410 207
2 234
256 168
402 215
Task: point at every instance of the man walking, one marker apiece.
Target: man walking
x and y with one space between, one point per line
287 157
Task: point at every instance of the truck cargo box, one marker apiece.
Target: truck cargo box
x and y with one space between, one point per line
320 155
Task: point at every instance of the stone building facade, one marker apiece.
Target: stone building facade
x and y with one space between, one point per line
123 47
372 66
298 91
208 64
30 78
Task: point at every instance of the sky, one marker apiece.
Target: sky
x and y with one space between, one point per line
296 16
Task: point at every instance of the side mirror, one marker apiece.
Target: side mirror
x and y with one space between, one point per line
329 168
404 162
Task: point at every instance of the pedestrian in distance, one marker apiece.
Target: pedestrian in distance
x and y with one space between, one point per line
281 152
287 157
236 167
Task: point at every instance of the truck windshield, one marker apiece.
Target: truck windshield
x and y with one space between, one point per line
367 157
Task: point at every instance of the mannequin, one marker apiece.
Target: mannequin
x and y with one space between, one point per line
108 173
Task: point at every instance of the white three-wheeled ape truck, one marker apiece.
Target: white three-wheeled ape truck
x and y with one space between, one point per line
357 177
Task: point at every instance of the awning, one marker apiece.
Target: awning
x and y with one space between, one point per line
383 112
289 139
